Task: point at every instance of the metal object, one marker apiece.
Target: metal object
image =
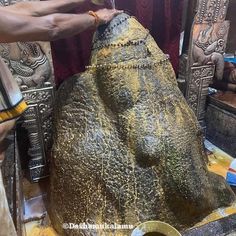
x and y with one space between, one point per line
35 125
19 198
155 227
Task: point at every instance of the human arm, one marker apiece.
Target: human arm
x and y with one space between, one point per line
14 27
43 8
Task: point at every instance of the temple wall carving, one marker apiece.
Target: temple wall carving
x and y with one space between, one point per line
31 65
204 59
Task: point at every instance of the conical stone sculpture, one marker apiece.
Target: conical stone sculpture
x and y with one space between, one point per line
127 148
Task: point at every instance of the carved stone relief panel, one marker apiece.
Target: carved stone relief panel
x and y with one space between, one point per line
31 65
211 11
207 47
197 90
209 43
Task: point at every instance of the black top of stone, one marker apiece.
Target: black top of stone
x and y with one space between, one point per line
108 33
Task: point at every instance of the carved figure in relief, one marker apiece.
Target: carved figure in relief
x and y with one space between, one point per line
27 62
209 47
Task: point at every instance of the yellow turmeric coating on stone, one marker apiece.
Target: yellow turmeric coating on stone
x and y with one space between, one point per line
127 148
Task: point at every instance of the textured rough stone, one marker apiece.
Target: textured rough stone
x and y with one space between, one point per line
223 227
127 148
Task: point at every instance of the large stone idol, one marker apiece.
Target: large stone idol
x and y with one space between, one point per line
127 147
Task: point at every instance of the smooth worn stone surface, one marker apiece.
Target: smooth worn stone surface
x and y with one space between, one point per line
127 148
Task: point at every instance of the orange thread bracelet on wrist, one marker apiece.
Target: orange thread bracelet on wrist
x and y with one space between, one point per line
94 14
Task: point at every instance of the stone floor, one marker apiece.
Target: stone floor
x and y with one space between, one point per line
37 222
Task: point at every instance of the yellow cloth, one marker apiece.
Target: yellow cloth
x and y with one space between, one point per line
13 112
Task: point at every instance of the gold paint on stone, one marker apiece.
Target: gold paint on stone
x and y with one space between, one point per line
136 151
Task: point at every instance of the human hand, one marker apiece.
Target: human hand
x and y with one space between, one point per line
106 15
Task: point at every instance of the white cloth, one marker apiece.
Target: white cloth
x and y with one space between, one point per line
6 224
